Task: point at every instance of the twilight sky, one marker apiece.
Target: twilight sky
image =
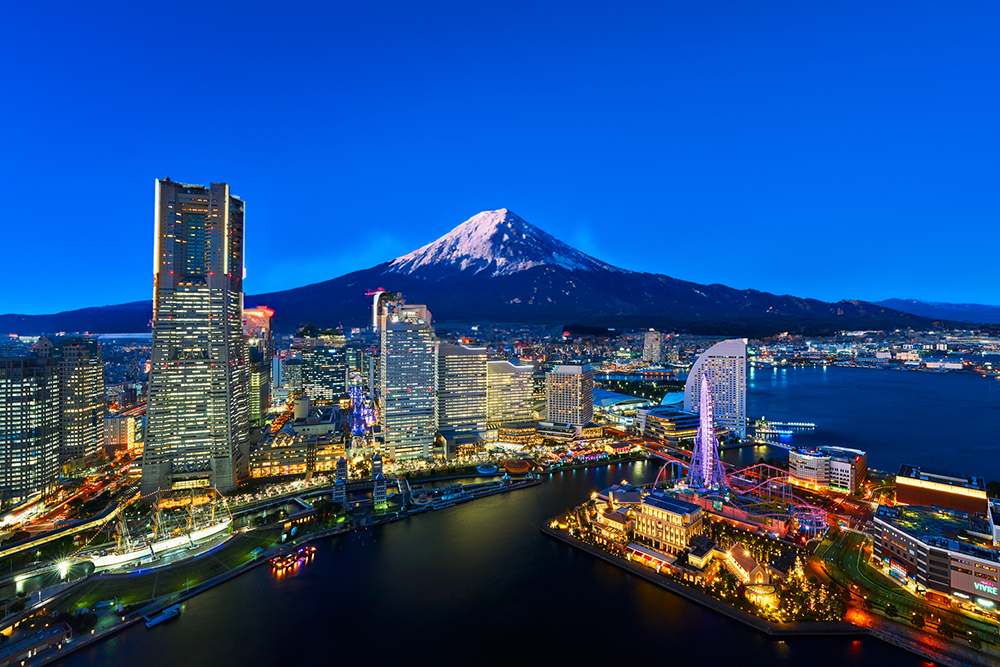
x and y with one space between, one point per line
831 150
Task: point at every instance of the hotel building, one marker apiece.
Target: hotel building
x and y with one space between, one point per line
726 365
198 413
569 395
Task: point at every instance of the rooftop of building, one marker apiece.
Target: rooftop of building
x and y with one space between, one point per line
668 503
842 452
701 545
941 477
937 527
742 558
606 399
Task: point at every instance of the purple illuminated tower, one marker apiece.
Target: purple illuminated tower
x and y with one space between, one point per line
706 471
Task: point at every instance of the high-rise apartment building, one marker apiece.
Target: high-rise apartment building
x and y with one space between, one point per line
81 398
198 413
407 370
30 427
652 347
569 394
461 389
260 352
726 365
509 391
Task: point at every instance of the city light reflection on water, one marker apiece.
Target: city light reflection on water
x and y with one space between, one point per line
446 586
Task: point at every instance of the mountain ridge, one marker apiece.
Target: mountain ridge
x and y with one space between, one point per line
496 267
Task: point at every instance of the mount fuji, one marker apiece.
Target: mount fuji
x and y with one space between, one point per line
497 268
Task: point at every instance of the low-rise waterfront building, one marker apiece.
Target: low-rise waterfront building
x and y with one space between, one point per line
916 486
667 522
933 549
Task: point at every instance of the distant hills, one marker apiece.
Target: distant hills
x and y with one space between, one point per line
975 313
497 268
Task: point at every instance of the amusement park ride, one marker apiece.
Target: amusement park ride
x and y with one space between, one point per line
763 492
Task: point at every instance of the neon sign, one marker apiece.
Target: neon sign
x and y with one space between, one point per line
986 587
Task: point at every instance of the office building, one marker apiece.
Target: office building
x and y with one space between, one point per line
848 468
726 365
916 486
81 398
406 389
198 412
652 347
260 361
569 394
324 372
509 390
30 427
462 389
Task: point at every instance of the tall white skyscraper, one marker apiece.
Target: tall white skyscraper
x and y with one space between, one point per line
652 347
407 370
198 413
569 394
509 390
461 393
726 365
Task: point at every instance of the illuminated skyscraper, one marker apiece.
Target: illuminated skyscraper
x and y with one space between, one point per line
29 427
461 394
198 414
407 369
509 390
81 398
569 395
260 351
726 365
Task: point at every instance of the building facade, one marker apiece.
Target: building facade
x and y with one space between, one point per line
726 365
324 372
569 395
461 389
260 361
509 393
407 368
30 427
198 412
81 398
668 523
921 545
916 486
652 347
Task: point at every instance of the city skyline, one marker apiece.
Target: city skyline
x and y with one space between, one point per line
835 141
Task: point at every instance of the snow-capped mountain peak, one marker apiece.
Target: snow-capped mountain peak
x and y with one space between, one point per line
498 242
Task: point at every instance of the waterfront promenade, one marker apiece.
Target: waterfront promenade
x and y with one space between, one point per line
920 643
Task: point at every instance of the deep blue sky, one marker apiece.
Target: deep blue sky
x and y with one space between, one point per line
831 150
